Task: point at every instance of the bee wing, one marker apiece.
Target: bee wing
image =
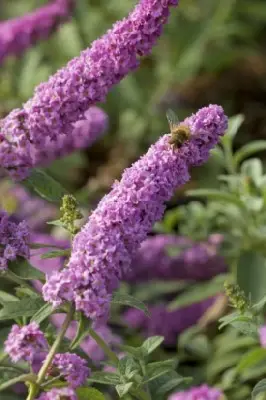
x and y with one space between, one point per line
172 118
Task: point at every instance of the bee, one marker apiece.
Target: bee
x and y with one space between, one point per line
180 133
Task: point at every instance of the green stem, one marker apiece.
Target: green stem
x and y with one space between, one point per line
104 346
33 389
143 368
20 378
55 346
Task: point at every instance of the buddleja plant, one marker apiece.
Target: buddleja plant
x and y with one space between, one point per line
51 124
101 254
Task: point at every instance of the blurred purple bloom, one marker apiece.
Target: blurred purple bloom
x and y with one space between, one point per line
192 261
19 34
14 240
84 133
72 367
31 208
23 342
262 335
104 248
203 392
59 394
47 265
166 323
86 80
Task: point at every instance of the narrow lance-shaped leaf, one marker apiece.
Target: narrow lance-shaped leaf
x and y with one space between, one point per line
249 149
26 307
126 300
45 186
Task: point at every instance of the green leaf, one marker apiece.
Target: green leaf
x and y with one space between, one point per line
42 246
56 222
46 186
138 352
43 313
246 327
26 307
160 386
150 344
249 149
126 300
234 124
218 195
251 275
56 253
123 388
253 169
128 367
156 369
259 388
197 293
105 378
85 393
6 297
252 358
25 270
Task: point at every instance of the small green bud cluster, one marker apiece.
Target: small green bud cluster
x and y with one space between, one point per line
70 213
237 297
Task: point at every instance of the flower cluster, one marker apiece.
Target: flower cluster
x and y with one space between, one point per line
73 368
59 394
84 133
166 323
14 240
62 101
189 261
19 34
203 392
104 248
24 342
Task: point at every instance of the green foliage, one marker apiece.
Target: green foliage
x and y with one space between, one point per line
126 300
24 270
26 307
89 393
45 186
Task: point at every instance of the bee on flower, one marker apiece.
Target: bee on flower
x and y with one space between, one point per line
180 133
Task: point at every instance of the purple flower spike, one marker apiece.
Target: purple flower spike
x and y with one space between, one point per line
165 323
59 394
202 392
72 367
19 34
104 248
84 133
193 261
86 80
23 342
